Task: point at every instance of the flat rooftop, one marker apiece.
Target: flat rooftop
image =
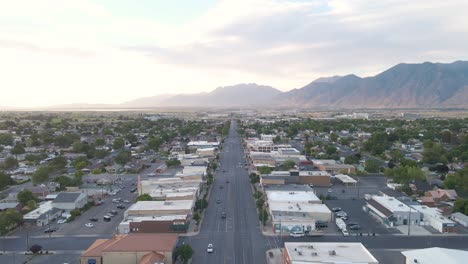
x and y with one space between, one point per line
42 209
436 255
432 212
345 178
291 196
161 205
310 252
391 204
288 187
299 207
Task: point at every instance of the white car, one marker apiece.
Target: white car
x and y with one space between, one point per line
210 248
90 225
61 221
345 232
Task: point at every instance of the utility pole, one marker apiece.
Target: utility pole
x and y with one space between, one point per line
409 221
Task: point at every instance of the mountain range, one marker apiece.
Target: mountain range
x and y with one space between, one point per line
425 85
402 86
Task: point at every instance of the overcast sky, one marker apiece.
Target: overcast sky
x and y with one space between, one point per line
111 51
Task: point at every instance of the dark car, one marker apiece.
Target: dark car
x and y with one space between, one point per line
351 224
121 206
93 219
99 203
50 230
354 227
321 224
133 190
227 181
113 212
223 215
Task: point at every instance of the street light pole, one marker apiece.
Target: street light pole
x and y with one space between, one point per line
409 221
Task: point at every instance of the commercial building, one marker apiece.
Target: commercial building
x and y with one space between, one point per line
436 255
345 179
202 144
174 188
43 215
337 168
433 217
132 249
315 253
314 178
159 208
155 224
391 211
69 201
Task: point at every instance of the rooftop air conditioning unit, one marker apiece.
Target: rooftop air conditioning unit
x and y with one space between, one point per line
314 254
332 252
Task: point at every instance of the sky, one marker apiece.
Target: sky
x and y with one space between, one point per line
55 52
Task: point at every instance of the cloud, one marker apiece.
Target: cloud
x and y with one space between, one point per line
54 52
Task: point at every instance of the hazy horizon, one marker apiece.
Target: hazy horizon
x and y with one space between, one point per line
109 52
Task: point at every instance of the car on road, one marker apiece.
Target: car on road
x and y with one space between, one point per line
126 201
218 201
117 200
99 202
223 215
133 190
336 209
121 206
221 187
224 170
210 248
227 181
61 221
50 230
345 232
93 219
113 213
296 234
329 190
354 227
107 218
90 225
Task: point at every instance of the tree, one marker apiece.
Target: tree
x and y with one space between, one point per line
118 143
277 139
333 137
40 175
32 204
371 166
123 157
330 150
263 215
352 159
288 164
24 196
172 162
8 220
196 217
5 180
10 163
144 197
35 248
201 204
264 170
185 252
18 149
154 143
254 178
260 202
100 142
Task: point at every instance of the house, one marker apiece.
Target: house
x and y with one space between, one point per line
436 255
326 252
132 249
442 195
70 201
6 206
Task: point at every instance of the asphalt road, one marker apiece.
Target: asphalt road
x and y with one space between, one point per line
236 239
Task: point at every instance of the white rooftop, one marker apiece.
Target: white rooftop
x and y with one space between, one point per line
345 178
436 255
323 161
314 173
391 204
36 213
298 207
291 196
154 218
432 212
310 252
161 205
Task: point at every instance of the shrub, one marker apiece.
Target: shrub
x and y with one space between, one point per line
35 248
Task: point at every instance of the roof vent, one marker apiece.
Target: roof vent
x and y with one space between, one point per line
314 254
415 261
299 253
310 247
332 252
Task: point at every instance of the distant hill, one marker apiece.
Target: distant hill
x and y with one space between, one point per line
241 95
402 86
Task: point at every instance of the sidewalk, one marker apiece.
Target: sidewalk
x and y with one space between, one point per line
274 256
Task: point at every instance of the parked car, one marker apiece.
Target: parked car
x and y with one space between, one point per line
61 221
50 230
93 219
121 206
218 201
113 213
126 201
296 234
336 209
354 227
90 225
321 224
223 215
99 202
345 232
210 248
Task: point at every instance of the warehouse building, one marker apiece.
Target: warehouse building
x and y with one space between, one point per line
391 211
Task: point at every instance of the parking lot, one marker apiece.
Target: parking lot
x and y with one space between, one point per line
368 224
77 227
364 185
